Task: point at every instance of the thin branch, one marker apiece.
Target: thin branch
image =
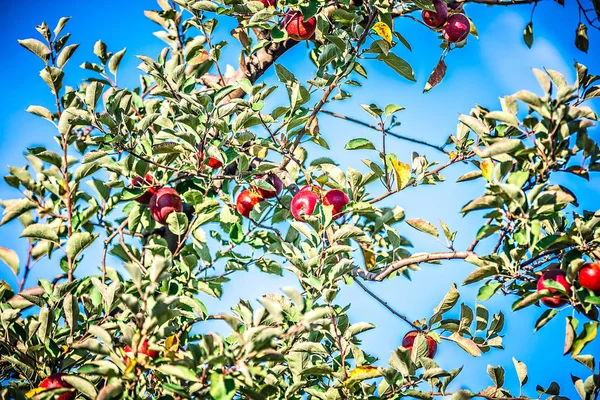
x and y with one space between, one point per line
387 131
384 303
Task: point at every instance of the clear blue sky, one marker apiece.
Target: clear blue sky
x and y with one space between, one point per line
498 64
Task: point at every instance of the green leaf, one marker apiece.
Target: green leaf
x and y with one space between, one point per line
115 61
483 202
81 385
221 388
423 226
36 47
359 144
180 372
66 55
40 112
486 291
10 258
581 38
528 35
41 231
399 65
480 274
392 109
78 242
590 330
177 223
501 147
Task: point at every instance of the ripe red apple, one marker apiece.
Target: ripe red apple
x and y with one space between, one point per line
268 3
409 340
297 28
457 29
213 163
163 203
432 19
338 200
589 276
56 382
274 181
304 203
246 201
558 276
147 182
143 349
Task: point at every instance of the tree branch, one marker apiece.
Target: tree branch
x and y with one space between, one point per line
417 259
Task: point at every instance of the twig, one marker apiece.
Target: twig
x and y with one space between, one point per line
454 255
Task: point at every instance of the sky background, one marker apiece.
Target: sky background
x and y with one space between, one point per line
495 65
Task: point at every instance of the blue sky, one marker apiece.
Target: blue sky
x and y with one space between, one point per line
496 65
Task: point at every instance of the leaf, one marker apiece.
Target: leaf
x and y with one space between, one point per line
423 226
177 222
81 385
482 202
487 167
36 47
399 65
436 76
546 317
480 274
221 388
362 373
40 231
581 38
590 330
359 144
383 30
65 55
469 176
10 258
392 109
587 360
78 242
40 112
528 35
521 371
115 61
466 344
180 372
403 173
501 147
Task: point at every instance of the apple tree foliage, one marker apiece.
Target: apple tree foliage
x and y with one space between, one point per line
297 345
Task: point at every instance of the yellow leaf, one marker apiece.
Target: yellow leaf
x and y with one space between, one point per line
369 257
383 30
452 155
487 166
466 344
402 173
259 151
172 343
362 373
34 392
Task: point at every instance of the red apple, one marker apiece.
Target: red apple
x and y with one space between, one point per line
432 19
274 181
246 201
143 349
589 276
338 200
147 182
457 29
163 203
560 277
409 340
56 382
213 163
297 28
268 3
304 203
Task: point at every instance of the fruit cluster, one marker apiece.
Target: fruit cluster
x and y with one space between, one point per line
588 278
305 201
248 198
455 27
162 201
294 23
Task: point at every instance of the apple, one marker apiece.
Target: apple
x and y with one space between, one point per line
559 277
457 29
589 276
212 163
56 381
268 3
274 181
432 19
143 349
164 202
297 28
146 182
337 199
304 202
409 340
246 201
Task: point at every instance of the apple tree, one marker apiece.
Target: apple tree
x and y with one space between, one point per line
197 174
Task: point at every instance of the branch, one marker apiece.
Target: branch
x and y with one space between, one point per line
417 259
388 132
384 303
